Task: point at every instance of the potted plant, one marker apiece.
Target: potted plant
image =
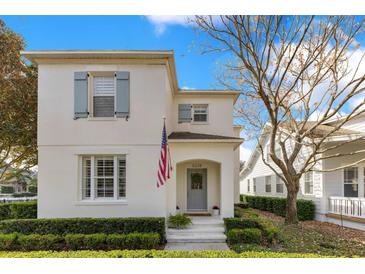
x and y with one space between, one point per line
215 210
177 209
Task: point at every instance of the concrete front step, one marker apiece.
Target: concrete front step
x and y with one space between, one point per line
197 229
197 238
202 230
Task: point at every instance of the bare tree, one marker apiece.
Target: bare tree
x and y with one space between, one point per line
296 74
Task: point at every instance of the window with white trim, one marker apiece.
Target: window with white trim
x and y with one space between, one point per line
308 182
254 185
248 185
200 113
103 96
267 184
103 177
279 185
351 188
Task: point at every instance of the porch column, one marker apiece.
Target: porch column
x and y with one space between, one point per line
227 188
171 192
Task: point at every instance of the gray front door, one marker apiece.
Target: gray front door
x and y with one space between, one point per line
197 189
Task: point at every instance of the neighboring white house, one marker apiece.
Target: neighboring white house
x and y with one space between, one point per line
338 195
100 118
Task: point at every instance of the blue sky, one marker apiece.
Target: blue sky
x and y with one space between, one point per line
194 69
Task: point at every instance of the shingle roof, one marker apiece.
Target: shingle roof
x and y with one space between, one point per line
184 135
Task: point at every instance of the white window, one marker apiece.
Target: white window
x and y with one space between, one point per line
103 96
308 182
279 185
351 182
267 184
200 113
103 177
254 185
248 185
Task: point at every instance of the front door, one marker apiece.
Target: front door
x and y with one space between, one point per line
197 189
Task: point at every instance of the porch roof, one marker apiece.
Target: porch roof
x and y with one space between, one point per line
185 135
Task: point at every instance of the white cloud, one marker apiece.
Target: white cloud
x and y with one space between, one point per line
187 88
162 21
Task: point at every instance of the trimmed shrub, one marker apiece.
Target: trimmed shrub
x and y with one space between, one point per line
4 211
247 235
24 194
79 241
157 254
306 208
85 226
232 223
18 210
33 189
7 189
23 210
8 241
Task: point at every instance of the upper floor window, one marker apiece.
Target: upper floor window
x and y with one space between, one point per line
197 113
103 96
200 113
308 182
351 182
103 177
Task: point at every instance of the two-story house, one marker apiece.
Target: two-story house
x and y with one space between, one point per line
100 117
336 184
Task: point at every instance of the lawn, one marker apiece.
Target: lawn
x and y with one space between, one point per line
310 237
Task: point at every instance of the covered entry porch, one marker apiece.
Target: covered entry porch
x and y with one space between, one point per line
198 186
203 177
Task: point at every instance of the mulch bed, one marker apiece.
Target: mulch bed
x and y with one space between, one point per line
322 227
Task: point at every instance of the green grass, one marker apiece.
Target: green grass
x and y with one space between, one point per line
153 254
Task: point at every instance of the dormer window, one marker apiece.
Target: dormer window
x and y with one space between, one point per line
200 113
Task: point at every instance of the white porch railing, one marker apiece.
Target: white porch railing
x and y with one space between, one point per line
353 207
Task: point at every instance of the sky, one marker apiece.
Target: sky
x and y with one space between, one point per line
195 70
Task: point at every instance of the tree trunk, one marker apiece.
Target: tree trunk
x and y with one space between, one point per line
291 207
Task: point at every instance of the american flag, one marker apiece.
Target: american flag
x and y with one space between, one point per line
164 164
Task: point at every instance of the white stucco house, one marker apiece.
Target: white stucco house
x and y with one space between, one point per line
339 195
100 117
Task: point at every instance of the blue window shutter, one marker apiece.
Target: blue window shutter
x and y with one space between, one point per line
184 113
122 94
80 95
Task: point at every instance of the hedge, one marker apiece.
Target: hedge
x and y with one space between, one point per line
156 254
247 235
33 189
306 208
85 226
269 230
13 242
7 189
18 210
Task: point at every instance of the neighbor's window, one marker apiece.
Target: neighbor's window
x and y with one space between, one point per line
268 184
308 182
103 96
103 177
254 185
351 182
248 185
279 185
200 113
